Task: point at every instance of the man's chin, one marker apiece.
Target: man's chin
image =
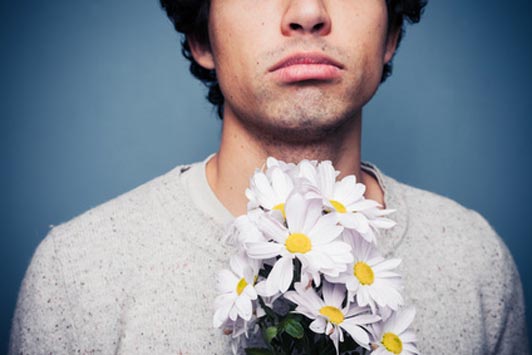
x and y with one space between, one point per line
300 129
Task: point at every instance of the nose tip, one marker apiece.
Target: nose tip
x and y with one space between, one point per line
312 28
306 17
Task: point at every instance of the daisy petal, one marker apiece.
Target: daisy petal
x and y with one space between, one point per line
308 172
296 210
263 191
333 294
281 183
356 221
316 260
340 252
224 300
357 333
404 319
238 264
250 292
220 316
326 178
363 205
380 351
226 281
383 223
244 306
366 319
312 218
335 335
408 336
410 347
387 265
325 229
318 325
281 275
272 228
260 250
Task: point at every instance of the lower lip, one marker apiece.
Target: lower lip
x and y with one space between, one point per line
303 72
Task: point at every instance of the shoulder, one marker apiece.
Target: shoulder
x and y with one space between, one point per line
111 238
455 235
442 215
125 207
430 202
110 246
134 210
141 227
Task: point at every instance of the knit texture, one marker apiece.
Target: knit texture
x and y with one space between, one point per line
136 275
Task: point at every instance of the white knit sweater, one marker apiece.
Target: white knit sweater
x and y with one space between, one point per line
136 275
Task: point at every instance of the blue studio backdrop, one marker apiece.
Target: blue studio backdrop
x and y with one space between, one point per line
95 99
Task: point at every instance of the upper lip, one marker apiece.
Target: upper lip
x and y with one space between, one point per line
305 58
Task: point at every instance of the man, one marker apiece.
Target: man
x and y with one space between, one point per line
290 79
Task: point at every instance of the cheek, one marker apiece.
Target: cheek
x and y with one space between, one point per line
238 45
227 61
363 25
230 44
235 31
367 38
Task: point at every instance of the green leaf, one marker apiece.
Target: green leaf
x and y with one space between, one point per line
270 333
258 351
295 316
293 328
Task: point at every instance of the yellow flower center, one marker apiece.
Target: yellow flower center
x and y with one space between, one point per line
392 343
364 273
280 207
333 314
241 286
338 206
298 243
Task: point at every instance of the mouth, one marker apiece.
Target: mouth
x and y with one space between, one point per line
306 66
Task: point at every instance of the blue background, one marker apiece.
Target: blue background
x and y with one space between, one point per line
96 99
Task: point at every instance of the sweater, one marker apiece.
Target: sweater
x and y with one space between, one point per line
136 275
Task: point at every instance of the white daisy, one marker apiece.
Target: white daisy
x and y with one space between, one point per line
370 279
269 190
237 290
308 236
393 336
346 198
329 315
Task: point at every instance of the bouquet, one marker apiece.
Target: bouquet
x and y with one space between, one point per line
307 277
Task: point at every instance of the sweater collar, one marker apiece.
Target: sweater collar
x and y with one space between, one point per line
387 240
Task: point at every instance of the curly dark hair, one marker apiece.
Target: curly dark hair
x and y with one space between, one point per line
190 17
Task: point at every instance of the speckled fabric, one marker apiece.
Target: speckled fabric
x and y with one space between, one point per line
136 276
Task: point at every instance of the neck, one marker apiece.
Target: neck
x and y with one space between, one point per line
241 152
